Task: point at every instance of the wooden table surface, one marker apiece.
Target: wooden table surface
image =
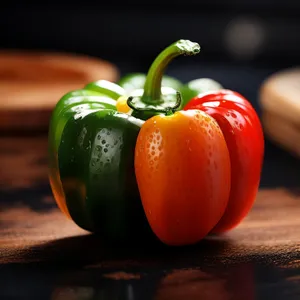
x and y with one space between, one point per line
44 255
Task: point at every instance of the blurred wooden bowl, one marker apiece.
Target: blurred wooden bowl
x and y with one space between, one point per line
31 83
279 99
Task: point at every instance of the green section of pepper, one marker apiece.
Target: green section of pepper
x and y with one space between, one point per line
74 104
96 163
91 165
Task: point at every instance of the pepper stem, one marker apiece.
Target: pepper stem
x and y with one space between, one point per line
152 87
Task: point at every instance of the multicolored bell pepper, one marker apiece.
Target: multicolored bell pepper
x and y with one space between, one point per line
133 162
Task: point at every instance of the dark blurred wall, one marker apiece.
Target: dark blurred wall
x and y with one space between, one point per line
264 32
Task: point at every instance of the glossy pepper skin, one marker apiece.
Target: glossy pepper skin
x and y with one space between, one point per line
91 151
243 133
182 166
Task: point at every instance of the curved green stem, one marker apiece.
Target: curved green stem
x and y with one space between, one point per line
154 98
152 88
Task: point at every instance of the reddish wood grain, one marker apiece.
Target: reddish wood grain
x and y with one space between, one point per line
32 82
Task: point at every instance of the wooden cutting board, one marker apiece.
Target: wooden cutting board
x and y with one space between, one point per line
31 232
31 83
32 229
279 98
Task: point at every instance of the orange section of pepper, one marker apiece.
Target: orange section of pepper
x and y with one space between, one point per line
182 166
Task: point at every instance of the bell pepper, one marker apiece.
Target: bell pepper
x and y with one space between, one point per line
91 150
133 165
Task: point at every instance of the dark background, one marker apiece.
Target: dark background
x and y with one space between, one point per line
261 32
242 43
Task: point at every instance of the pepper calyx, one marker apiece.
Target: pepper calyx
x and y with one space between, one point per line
169 101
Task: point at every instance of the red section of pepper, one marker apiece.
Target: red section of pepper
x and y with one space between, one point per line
243 133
